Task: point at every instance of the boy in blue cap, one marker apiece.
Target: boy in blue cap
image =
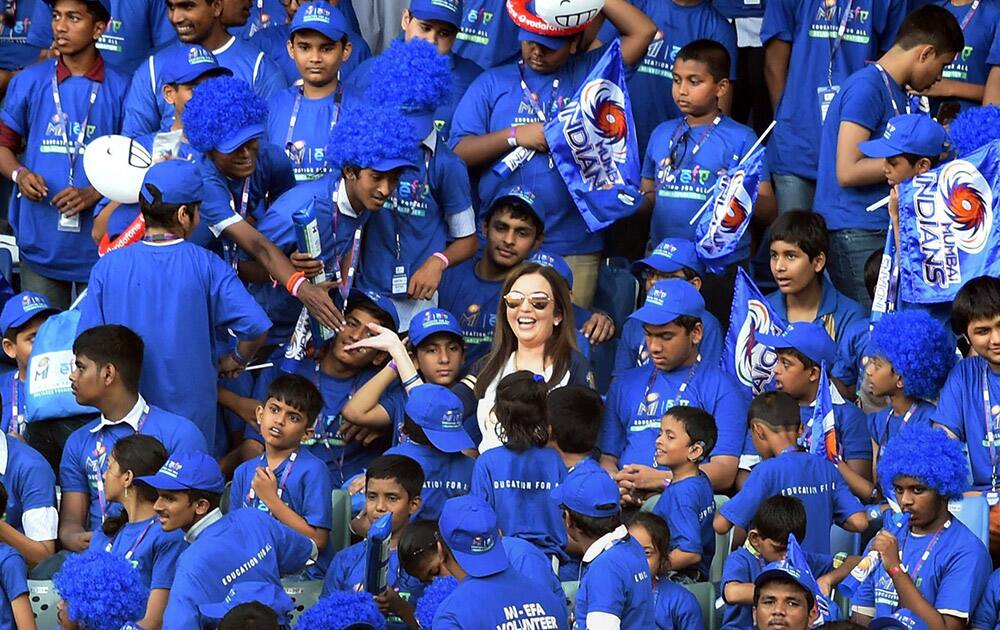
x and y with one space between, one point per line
245 545
616 589
675 375
51 211
490 592
22 316
783 599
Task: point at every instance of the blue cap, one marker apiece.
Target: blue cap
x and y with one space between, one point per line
449 11
438 412
377 300
468 526
185 64
21 308
668 300
589 491
555 261
520 194
808 338
785 570
904 619
104 3
321 17
432 321
187 471
271 595
178 181
240 137
672 254
918 134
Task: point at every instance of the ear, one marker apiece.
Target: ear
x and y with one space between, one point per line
696 451
169 93
722 88
288 47
109 374
310 432
99 28
697 333
346 54
8 348
217 7
819 262
923 165
415 504
259 414
201 507
927 53
754 537
696 282
814 374
404 21
127 477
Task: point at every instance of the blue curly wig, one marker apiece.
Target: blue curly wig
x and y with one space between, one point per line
434 594
928 454
919 348
411 75
974 128
218 109
341 609
101 591
366 134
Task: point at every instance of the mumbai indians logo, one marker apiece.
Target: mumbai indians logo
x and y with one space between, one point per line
730 212
755 361
596 130
315 13
197 54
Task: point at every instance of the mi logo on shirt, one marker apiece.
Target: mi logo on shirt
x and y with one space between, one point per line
479 16
828 12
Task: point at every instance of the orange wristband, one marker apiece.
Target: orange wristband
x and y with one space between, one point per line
295 277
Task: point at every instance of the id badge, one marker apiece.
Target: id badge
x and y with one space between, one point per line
69 224
826 94
400 281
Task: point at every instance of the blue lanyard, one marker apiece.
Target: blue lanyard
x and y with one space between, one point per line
888 89
533 98
16 417
841 31
344 281
102 501
393 202
338 96
968 16
990 433
72 151
671 163
135 545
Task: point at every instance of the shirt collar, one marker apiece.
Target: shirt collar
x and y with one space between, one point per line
132 418
207 521
223 48
96 72
604 543
431 141
343 203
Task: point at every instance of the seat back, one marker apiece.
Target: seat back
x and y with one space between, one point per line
723 545
44 603
303 593
974 512
705 593
340 535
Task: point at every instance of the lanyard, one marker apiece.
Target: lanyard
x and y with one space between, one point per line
672 161
841 31
533 98
72 152
988 418
968 16
338 96
345 282
418 195
138 541
927 552
284 477
888 89
684 384
906 419
16 417
102 501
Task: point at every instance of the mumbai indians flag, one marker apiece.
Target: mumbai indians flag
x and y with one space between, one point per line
592 142
886 299
948 229
796 560
820 436
720 229
748 360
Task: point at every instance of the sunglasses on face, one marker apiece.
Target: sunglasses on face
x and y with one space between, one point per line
538 300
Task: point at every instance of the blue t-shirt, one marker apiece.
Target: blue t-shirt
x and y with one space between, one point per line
836 311
529 561
808 477
688 506
347 573
146 109
273 41
987 614
13 582
29 480
29 110
631 350
245 545
685 162
739 8
639 397
676 608
265 15
850 427
852 345
952 577
884 424
496 101
498 600
487 36
152 551
617 582
446 475
982 34
793 147
960 409
86 453
519 486
179 373
13 396
305 143
15 51
473 301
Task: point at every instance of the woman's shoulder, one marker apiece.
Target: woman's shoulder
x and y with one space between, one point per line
580 371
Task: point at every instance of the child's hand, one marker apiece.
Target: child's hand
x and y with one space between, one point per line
599 328
635 477
424 281
306 264
532 136
229 367
390 603
894 204
888 547
357 485
384 340
32 185
265 485
825 585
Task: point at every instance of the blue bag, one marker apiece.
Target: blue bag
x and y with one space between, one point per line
48 388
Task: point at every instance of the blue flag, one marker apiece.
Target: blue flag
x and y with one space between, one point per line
796 561
886 299
749 361
730 209
592 142
948 229
820 436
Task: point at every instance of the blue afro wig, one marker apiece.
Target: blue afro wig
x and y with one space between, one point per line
101 591
218 109
341 609
974 128
919 348
367 134
413 76
436 593
928 454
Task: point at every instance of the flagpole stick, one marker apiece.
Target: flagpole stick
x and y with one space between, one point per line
884 201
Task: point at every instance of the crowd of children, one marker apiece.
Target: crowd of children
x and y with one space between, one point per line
353 271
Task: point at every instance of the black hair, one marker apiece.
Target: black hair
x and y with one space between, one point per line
594 527
777 410
575 413
803 229
360 301
913 158
709 52
213 498
931 25
113 344
687 322
778 578
806 361
94 8
699 425
841 624
158 213
143 455
250 616
297 392
417 540
872 268
399 468
414 431
659 535
521 411
517 210
978 299
779 516
12 332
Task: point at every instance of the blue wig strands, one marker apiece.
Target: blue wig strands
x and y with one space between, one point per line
437 592
341 609
367 134
974 128
218 109
412 76
927 454
102 591
919 348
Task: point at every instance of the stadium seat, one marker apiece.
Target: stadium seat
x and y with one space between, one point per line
843 540
705 593
616 294
974 512
224 506
44 603
570 589
723 545
304 594
340 535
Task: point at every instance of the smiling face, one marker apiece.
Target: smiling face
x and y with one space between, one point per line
355 329
282 425
534 319
439 358
317 57
239 164
509 240
673 445
984 337
176 510
193 20
369 189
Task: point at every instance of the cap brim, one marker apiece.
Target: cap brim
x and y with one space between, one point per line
449 441
419 336
658 263
24 318
241 137
784 575
550 42
483 564
332 33
655 315
194 74
429 15
390 164
879 149
162 482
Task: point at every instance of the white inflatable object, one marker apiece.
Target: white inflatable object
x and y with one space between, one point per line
116 166
568 13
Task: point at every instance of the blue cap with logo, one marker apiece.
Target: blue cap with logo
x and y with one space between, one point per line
668 300
589 491
373 298
438 412
104 3
271 595
469 527
918 134
672 254
557 262
321 17
521 195
448 11
784 570
903 619
178 182
809 338
432 321
185 64
240 137
19 310
187 471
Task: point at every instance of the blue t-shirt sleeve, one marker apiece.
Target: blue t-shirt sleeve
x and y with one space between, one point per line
895 13
268 79
159 24
280 173
72 470
317 504
844 502
993 59
232 306
949 406
678 611
186 593
481 486
681 515
612 435
141 112
472 114
606 590
166 551
966 573
779 21
987 613
735 569
40 33
37 486
730 411
861 103
188 439
240 486
293 549
740 509
649 160
452 188
17 104
14 575
857 442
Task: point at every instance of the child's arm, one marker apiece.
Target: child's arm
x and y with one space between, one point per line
635 29
265 485
721 470
853 168
829 580
389 342
155 606
857 522
991 93
101 222
73 510
683 559
859 485
427 278
229 367
776 55
24 618
245 408
721 524
738 593
363 409
31 185
950 88
33 551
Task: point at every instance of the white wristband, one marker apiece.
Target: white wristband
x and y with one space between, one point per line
15 173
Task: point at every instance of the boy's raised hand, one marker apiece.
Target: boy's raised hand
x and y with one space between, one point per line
384 340
265 484
32 185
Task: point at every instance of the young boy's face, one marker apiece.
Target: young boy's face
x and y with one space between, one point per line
178 94
898 169
440 34
73 27
282 425
239 164
193 19
984 337
20 348
439 358
882 379
369 188
86 381
508 240
695 91
673 445
792 269
355 329
792 377
385 496
317 57
176 510
927 71
923 504
770 550
671 345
